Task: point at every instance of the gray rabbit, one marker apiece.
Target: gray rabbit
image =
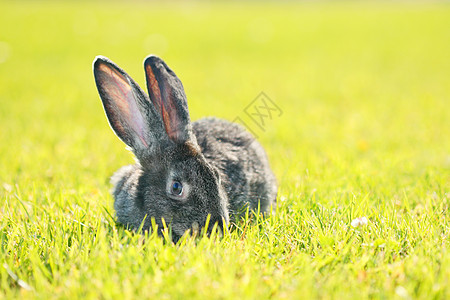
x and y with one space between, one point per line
184 171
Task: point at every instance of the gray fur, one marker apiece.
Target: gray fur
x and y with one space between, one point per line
222 168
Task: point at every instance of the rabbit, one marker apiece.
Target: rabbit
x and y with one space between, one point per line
184 170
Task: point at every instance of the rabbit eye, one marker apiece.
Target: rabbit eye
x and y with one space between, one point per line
176 188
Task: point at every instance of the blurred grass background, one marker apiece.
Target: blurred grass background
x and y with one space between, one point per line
364 88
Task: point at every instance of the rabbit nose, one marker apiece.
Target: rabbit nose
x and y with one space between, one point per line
217 219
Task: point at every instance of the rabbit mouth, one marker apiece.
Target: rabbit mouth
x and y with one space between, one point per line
178 230
176 237
195 229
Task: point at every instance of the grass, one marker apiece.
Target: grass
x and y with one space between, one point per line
364 90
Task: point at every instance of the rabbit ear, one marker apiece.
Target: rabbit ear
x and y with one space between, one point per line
128 109
167 94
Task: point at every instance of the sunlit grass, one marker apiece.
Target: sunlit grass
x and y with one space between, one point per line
364 91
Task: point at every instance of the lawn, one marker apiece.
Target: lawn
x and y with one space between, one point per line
364 91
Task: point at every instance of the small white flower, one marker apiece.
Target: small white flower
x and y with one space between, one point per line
359 222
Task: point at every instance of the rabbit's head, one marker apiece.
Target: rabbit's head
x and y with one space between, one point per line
172 180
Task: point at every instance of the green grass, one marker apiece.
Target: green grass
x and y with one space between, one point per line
365 131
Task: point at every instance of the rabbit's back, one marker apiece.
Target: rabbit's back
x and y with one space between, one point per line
242 162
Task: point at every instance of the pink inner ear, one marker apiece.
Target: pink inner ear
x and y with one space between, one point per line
164 105
172 128
123 103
